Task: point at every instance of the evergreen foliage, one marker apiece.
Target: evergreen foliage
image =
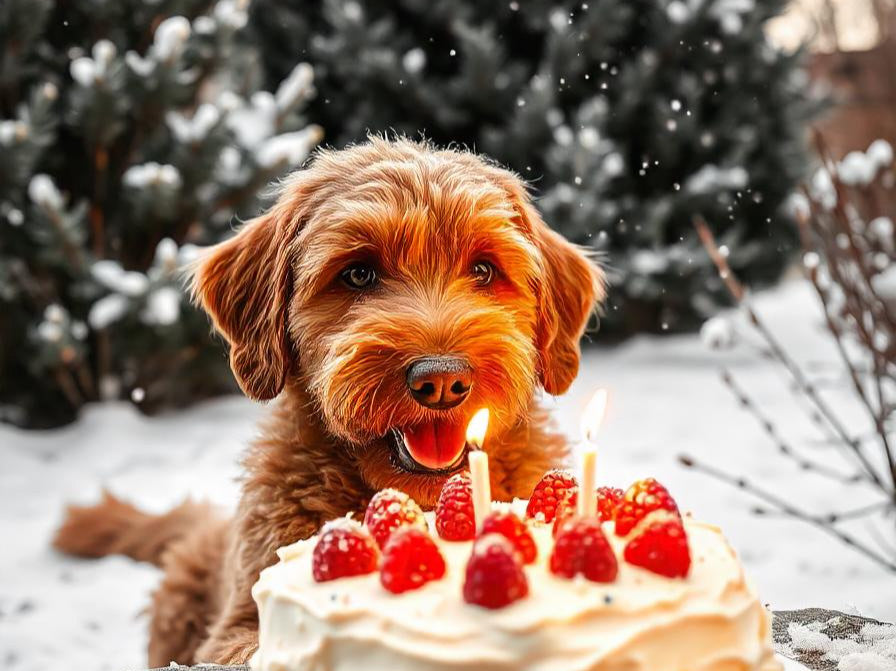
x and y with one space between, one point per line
130 132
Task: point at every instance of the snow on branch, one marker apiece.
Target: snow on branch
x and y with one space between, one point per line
845 219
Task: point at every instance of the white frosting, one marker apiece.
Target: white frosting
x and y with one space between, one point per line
710 621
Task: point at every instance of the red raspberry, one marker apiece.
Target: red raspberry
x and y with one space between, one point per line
566 508
410 560
548 493
607 500
506 523
581 547
390 509
662 548
455 520
642 498
495 576
344 549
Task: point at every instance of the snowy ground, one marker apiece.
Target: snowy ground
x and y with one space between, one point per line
666 399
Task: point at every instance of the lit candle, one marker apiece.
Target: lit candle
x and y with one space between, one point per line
591 421
478 459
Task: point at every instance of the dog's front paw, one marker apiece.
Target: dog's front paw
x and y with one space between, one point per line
237 648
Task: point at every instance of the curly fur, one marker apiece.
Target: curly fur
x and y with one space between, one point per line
336 360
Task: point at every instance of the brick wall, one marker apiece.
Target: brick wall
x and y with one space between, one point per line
863 86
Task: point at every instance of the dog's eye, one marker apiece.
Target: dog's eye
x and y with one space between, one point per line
483 273
359 276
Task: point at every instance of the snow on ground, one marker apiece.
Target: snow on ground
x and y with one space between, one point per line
666 398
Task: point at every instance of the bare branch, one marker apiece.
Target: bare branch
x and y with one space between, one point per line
783 447
738 292
785 507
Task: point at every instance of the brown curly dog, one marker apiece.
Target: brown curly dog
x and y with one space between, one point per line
393 290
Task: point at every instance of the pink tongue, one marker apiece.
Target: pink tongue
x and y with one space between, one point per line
435 444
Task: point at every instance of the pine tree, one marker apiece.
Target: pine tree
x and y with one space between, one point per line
130 133
628 116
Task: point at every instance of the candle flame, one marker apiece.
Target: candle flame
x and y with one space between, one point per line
476 429
593 415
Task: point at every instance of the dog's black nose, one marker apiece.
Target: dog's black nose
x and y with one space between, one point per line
440 381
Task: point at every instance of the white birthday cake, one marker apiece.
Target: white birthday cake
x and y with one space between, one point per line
632 587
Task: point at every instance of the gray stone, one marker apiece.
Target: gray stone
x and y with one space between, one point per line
837 625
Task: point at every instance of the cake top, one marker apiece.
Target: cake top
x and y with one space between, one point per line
715 577
395 539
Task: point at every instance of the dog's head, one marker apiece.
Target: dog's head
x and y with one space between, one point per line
406 288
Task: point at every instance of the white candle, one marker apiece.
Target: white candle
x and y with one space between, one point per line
587 482
591 421
482 491
478 460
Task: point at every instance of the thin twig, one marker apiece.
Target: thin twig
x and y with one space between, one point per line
836 517
861 300
72 251
877 415
783 447
739 294
884 544
788 509
67 386
877 305
96 213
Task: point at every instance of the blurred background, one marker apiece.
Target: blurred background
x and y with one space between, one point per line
731 160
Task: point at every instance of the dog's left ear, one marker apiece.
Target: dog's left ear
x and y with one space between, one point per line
570 287
243 284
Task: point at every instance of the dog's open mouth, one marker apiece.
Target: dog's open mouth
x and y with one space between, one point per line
432 448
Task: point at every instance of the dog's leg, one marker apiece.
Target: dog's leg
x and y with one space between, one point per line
233 639
296 481
185 604
239 646
233 636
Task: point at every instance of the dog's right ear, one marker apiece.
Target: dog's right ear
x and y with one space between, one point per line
243 284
